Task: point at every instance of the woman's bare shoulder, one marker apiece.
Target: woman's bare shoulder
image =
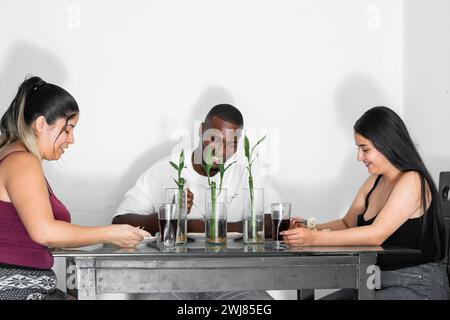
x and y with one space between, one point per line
368 184
22 161
411 182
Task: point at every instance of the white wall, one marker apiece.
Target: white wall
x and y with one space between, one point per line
142 70
427 80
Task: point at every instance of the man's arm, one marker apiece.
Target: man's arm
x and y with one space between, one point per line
199 226
268 225
148 221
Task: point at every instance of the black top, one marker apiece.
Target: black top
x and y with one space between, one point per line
407 236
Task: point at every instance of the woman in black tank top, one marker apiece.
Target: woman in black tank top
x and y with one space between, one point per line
397 206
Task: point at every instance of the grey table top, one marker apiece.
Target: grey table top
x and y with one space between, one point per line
233 249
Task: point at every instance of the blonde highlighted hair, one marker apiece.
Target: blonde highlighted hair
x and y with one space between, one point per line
34 98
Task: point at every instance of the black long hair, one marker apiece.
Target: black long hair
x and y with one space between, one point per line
35 98
388 133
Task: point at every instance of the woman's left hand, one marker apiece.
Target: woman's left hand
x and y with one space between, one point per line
298 237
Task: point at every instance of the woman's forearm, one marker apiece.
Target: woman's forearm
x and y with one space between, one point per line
60 234
333 225
358 236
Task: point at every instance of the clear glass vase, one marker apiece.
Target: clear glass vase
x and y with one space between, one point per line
253 215
179 197
216 216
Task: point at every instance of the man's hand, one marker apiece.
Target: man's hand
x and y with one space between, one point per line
190 200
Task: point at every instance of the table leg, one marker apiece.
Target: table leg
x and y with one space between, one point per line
305 294
86 278
367 276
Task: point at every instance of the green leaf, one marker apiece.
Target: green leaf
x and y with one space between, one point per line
208 156
182 156
207 169
229 165
221 171
181 181
260 140
173 165
209 159
247 147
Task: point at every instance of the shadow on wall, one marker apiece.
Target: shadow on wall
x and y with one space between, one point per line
93 199
352 97
436 165
26 59
209 98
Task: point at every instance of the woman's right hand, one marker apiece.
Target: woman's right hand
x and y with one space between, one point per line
125 236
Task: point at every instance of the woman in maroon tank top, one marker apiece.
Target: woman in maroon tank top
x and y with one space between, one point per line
38 126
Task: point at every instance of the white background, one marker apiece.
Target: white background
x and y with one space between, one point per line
144 71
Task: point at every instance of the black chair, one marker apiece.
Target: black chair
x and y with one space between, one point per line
447 258
444 192
444 195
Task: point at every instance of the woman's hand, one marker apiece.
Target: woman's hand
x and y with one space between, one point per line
297 222
299 237
125 236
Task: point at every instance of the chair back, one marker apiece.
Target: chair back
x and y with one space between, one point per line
444 196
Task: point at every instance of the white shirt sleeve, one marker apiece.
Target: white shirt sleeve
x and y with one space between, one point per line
140 199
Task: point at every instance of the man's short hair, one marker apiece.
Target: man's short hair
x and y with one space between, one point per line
226 112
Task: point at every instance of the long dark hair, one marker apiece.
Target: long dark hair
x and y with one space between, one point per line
388 133
35 98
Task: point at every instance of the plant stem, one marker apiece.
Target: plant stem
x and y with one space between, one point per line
213 231
180 206
180 197
252 207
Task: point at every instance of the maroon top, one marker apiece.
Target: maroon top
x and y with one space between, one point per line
16 246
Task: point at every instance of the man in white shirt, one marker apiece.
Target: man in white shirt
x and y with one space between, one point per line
220 131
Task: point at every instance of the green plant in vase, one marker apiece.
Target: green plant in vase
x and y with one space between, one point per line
180 182
251 235
180 196
212 226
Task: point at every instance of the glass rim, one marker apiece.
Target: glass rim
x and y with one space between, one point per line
282 203
171 214
164 204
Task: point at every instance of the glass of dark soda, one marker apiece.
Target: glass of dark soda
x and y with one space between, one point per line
281 216
168 224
